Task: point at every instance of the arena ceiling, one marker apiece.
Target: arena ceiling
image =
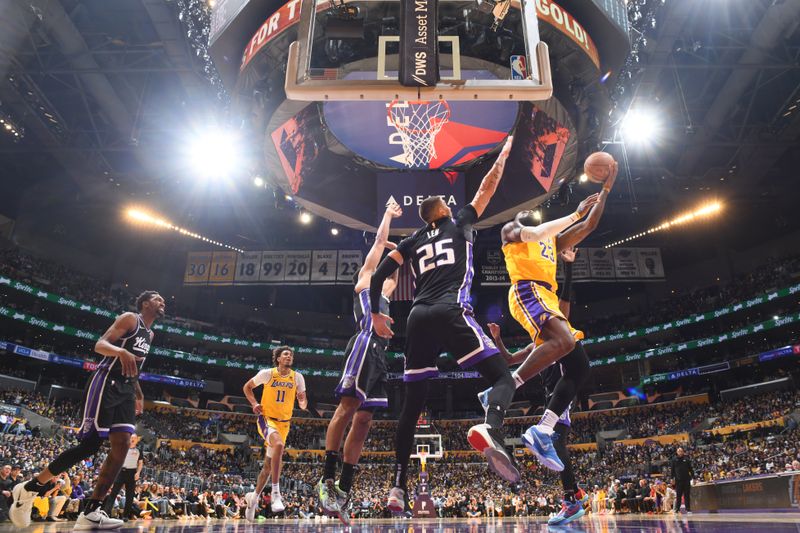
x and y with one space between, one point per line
107 92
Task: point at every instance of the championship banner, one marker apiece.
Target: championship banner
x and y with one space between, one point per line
291 267
591 264
419 43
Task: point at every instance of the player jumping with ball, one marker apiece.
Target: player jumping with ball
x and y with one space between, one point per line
530 251
574 497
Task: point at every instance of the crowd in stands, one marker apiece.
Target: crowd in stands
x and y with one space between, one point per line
64 281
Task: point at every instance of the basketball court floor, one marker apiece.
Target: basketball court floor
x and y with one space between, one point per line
703 523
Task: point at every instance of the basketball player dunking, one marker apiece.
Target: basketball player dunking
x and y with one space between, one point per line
530 251
441 318
362 387
281 386
573 500
113 399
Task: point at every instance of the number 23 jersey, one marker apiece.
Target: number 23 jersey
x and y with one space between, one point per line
277 398
441 257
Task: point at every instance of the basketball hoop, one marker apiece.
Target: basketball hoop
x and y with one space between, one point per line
418 122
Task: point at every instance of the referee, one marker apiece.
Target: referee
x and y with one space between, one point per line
682 473
128 477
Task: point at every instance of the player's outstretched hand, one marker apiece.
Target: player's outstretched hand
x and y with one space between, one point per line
568 254
494 330
586 205
390 245
380 323
257 409
129 362
394 209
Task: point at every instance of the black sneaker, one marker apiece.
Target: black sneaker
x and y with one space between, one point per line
490 442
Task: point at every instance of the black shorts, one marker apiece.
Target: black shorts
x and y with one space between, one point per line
435 328
364 374
109 404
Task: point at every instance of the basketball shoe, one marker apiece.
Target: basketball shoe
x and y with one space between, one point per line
277 503
483 397
489 442
540 442
570 510
20 511
97 519
397 500
330 495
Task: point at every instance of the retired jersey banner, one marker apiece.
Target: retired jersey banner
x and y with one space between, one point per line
591 264
272 267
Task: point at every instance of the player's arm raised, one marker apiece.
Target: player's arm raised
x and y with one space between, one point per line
124 323
390 263
491 180
513 232
574 235
381 241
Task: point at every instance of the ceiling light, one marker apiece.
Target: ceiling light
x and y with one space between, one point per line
305 218
334 231
640 126
215 154
258 181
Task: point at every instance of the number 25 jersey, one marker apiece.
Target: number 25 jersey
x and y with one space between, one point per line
441 258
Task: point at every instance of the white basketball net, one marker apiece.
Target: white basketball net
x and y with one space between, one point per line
418 122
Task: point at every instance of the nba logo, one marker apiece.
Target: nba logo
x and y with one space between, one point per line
519 68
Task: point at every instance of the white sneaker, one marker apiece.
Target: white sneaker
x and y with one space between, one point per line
252 506
97 519
20 511
277 504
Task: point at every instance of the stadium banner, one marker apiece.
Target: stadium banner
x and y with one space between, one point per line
591 264
780 491
285 267
263 345
91 366
727 430
198 265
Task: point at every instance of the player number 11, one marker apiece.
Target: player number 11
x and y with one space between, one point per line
281 396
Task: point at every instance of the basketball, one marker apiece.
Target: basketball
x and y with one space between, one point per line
598 166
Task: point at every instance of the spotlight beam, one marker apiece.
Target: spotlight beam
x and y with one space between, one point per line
143 217
704 211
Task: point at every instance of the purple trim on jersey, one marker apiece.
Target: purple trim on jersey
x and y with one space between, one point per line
420 376
489 349
536 311
261 422
478 357
466 285
362 340
93 398
375 402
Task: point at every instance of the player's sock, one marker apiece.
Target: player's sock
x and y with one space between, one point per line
276 488
346 481
34 486
331 460
401 476
92 505
518 381
548 422
495 370
569 496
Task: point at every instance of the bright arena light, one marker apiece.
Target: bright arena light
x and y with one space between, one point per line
584 178
334 231
143 217
258 181
640 126
704 211
305 218
215 154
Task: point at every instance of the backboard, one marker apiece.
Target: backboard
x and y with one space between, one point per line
351 50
